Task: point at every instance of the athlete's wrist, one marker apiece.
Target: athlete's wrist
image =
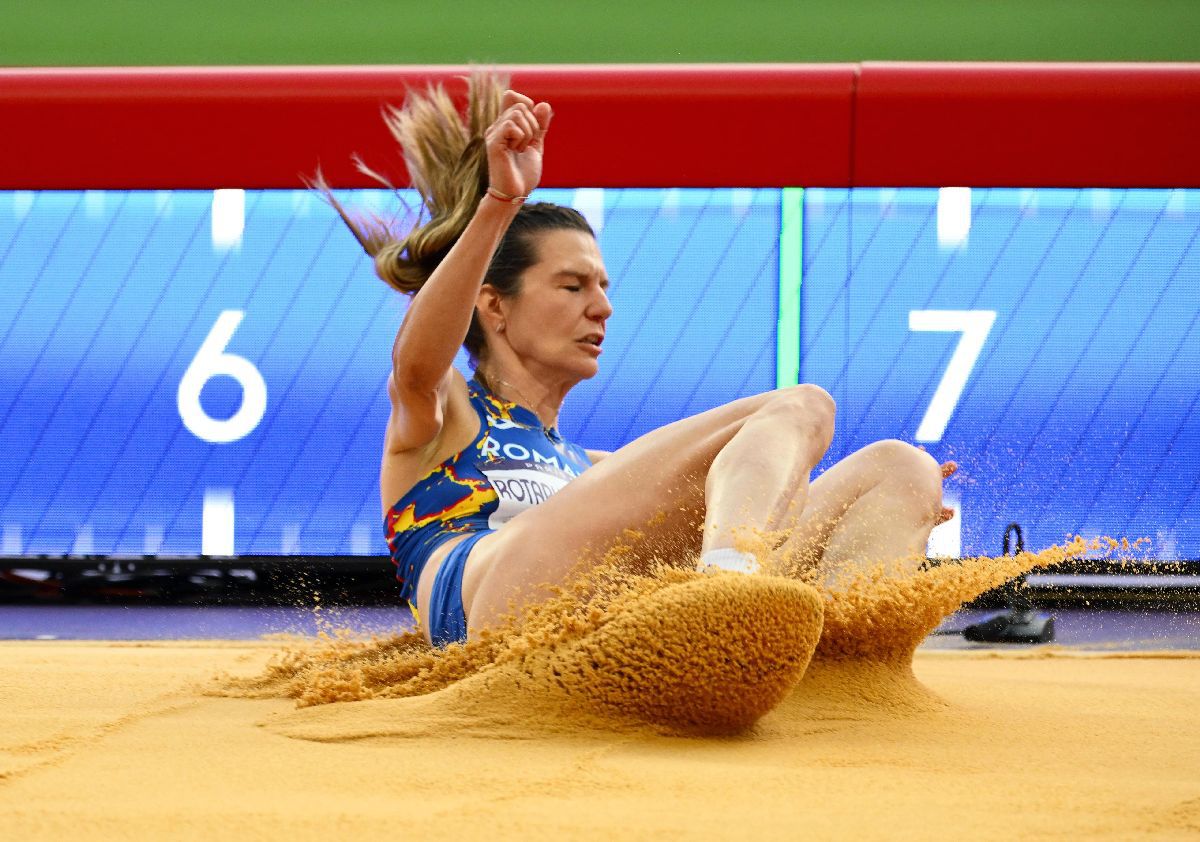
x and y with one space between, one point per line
504 198
496 211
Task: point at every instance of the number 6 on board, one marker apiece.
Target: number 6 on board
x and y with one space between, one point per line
974 326
212 360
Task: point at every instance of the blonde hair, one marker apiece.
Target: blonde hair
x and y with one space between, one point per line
447 161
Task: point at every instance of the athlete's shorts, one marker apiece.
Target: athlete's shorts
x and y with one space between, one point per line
447 617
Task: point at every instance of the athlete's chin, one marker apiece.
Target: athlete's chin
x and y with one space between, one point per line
585 370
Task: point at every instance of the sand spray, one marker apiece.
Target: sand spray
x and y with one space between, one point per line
653 645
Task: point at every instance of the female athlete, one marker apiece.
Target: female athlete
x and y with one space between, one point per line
485 504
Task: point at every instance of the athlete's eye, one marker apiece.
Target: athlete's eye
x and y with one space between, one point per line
573 288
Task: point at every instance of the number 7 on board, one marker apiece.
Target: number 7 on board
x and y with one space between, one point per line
974 325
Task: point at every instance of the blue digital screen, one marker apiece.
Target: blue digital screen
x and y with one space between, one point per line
1047 340
204 371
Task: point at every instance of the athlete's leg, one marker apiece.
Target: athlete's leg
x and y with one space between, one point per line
758 483
876 505
657 486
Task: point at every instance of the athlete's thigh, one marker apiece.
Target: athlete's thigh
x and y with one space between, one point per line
649 495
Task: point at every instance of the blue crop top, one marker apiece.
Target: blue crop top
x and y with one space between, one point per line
513 463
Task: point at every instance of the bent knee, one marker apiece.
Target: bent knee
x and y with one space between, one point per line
806 404
913 470
804 412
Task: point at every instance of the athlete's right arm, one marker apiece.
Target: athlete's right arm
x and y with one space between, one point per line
436 325
438 317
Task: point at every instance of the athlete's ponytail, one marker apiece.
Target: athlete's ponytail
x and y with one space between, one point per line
447 162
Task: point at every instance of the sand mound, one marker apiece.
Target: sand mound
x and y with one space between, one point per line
708 654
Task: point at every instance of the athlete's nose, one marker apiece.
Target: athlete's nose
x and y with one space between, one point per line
600 307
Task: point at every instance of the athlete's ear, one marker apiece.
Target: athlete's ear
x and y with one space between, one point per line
490 305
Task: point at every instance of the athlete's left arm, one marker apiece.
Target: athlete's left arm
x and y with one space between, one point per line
596 455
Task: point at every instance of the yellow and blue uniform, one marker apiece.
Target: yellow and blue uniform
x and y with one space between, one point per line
513 463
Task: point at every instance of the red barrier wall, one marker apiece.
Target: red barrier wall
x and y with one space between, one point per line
1028 125
265 127
621 125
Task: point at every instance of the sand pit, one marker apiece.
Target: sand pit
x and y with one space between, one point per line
555 731
103 741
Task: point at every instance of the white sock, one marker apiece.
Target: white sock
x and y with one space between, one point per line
727 558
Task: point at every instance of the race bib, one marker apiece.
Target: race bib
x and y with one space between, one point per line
520 485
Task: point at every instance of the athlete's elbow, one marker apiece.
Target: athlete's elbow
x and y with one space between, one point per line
414 377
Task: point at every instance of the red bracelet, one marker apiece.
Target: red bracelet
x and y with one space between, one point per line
504 197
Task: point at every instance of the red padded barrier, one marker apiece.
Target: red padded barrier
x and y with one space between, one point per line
1027 125
619 125
1032 125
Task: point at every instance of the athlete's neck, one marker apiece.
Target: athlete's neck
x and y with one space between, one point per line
543 398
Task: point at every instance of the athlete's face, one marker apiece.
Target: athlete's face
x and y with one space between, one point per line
556 322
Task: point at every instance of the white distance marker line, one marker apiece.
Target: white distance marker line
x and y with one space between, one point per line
953 217
1176 204
740 200
289 539
1101 202
670 203
84 541
228 218
375 201
360 538
1028 202
589 201
22 203
814 202
164 202
216 522
887 201
1166 545
11 542
152 539
93 203
301 203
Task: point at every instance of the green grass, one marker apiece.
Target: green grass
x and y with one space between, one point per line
169 32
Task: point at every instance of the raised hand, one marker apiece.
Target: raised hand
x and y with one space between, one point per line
515 143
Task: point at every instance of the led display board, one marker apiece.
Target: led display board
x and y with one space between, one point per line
187 372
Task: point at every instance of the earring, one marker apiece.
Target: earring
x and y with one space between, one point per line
500 329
